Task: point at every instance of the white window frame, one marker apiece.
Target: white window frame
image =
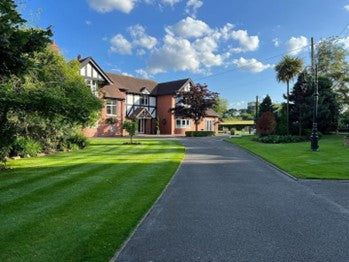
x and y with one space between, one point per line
184 123
93 85
144 100
111 106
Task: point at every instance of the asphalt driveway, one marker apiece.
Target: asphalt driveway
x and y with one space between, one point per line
225 205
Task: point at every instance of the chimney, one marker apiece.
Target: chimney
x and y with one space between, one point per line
79 57
54 46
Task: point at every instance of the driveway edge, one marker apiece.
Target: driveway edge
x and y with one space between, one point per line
264 160
114 258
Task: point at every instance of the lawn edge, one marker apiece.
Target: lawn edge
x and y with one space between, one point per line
264 160
118 252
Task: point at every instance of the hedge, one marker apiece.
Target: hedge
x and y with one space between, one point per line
199 133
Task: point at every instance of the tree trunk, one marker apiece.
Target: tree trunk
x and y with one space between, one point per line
131 139
288 107
196 126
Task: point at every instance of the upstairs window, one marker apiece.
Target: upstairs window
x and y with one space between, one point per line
93 85
144 101
182 123
111 107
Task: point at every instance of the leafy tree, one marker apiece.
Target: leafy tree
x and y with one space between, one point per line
251 108
266 124
230 113
286 70
266 106
331 57
18 43
301 114
194 103
221 106
46 103
131 127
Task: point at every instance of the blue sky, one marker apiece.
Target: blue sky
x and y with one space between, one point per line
231 45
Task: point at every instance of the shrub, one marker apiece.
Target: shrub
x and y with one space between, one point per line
281 139
23 146
266 124
199 133
78 140
111 120
131 127
233 131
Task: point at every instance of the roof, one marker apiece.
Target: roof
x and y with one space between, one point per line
237 123
88 59
141 112
211 112
110 91
132 84
170 88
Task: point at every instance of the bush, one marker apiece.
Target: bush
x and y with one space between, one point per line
78 140
23 146
233 131
266 124
111 120
199 133
281 139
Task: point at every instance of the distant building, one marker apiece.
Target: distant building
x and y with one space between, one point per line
127 97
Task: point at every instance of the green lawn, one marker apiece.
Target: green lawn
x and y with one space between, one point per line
330 162
81 205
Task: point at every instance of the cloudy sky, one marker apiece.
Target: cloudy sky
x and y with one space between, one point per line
231 45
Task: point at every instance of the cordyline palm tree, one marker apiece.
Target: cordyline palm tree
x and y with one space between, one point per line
286 70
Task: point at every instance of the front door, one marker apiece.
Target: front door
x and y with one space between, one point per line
141 126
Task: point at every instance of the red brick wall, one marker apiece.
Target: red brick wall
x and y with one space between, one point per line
105 129
164 104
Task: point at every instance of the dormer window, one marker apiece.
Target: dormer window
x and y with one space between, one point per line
144 100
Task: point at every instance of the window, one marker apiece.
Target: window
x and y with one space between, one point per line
111 107
93 85
182 123
208 125
144 100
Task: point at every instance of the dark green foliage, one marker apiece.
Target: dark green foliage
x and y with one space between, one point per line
199 133
78 139
23 147
344 122
194 103
266 106
281 120
18 43
111 120
301 111
275 139
131 127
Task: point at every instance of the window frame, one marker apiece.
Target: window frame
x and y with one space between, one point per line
184 123
112 107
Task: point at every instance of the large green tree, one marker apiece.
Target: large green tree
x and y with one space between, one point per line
266 106
286 70
18 42
331 57
301 113
221 106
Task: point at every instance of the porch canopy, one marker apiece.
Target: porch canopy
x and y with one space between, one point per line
141 113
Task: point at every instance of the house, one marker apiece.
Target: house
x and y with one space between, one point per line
127 97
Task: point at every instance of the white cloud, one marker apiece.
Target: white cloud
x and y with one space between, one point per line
87 22
140 38
345 42
247 43
121 45
276 42
192 7
142 73
170 2
346 7
105 6
251 65
188 28
295 45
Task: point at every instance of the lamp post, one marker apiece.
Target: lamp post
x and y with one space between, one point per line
314 138
314 70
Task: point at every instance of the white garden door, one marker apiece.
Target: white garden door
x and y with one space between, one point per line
208 125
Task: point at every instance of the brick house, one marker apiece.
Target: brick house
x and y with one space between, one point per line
128 97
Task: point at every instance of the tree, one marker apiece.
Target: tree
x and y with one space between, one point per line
221 106
331 57
194 103
131 127
17 42
266 106
266 124
230 113
286 70
301 111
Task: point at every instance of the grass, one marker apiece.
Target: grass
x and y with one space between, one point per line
81 206
330 162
